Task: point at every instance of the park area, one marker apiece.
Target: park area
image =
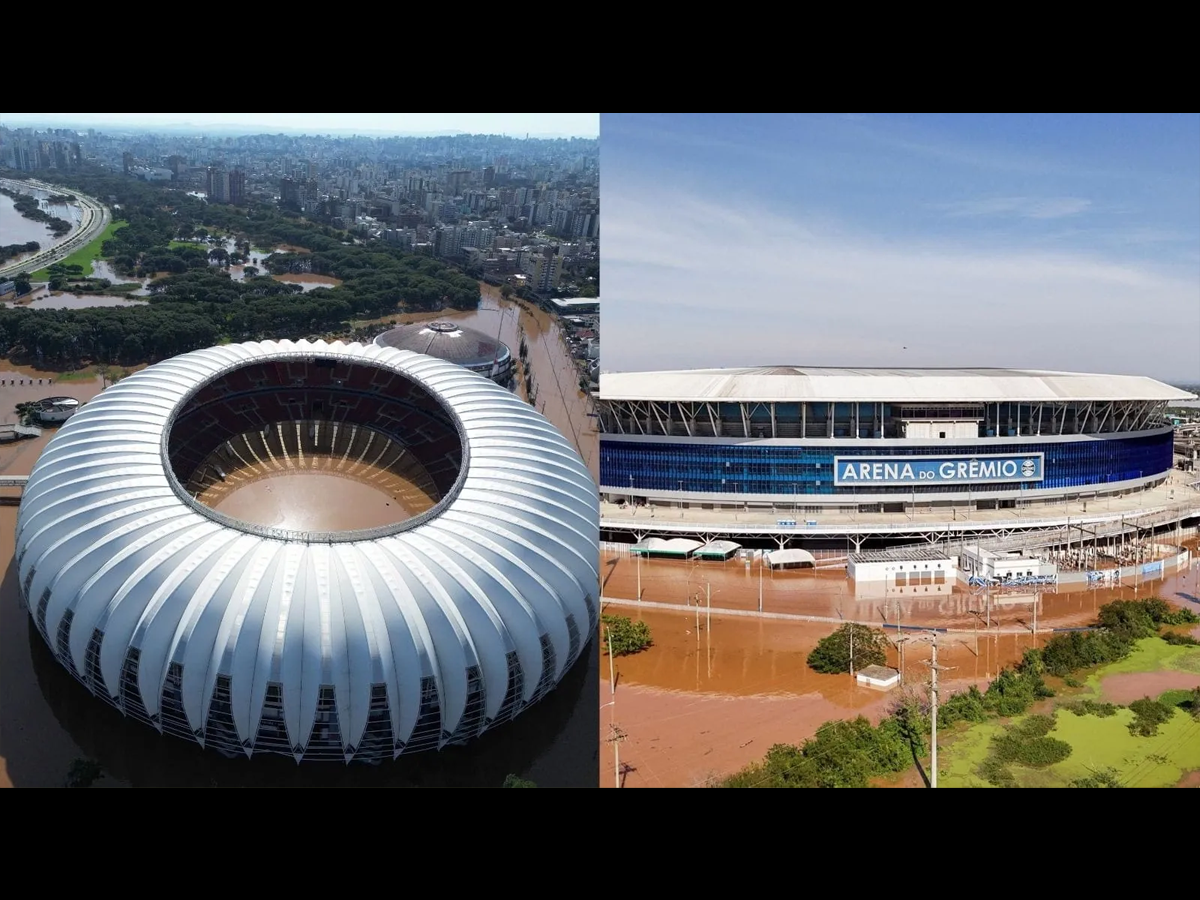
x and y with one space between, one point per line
1099 727
85 255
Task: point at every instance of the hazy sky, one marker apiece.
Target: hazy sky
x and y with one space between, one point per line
516 124
1058 242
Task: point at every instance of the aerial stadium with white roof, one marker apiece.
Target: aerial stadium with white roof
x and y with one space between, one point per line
350 644
842 449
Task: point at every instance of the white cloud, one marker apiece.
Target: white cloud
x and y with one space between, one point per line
1019 207
689 282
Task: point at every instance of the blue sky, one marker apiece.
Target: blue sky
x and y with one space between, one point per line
1046 241
515 124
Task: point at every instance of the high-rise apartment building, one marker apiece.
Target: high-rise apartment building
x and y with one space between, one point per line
218 185
237 187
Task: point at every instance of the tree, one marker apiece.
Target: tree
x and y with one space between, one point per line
516 781
627 636
84 773
506 291
831 656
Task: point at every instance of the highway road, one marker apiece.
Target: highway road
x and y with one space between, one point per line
93 219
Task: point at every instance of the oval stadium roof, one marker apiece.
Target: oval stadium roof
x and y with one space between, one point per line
157 607
843 385
445 340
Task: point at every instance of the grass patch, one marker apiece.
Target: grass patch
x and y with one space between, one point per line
85 255
1097 744
81 375
172 245
1152 655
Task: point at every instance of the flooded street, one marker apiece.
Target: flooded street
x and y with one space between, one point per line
555 376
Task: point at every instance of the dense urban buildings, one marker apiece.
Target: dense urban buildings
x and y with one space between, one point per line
523 212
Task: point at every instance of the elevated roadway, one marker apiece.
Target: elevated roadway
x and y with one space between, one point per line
94 217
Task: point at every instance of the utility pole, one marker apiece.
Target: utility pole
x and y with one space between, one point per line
760 585
851 626
708 606
934 668
615 737
639 568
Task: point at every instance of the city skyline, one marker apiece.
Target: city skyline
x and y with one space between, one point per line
585 125
920 241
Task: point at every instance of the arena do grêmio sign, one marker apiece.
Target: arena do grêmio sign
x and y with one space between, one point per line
892 471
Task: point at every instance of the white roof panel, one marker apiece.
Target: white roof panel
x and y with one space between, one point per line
824 385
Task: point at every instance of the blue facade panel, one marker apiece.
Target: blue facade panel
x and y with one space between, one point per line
750 468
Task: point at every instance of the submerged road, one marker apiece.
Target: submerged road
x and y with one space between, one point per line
93 219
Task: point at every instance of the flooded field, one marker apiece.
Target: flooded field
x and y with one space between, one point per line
713 693
309 282
829 593
316 500
44 299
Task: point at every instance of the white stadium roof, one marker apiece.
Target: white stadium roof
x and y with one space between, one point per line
106 544
783 384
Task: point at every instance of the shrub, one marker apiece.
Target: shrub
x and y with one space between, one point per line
1072 682
1091 708
1075 650
1105 778
626 636
84 773
968 706
1164 613
840 754
1129 618
832 656
515 781
1148 716
1174 637
1024 744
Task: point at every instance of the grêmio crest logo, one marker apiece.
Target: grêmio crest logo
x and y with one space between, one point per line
887 471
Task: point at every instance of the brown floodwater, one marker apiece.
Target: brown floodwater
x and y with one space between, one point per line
713 693
313 501
63 300
829 593
308 282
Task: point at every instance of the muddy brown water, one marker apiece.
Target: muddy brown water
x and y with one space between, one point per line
713 693
314 501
